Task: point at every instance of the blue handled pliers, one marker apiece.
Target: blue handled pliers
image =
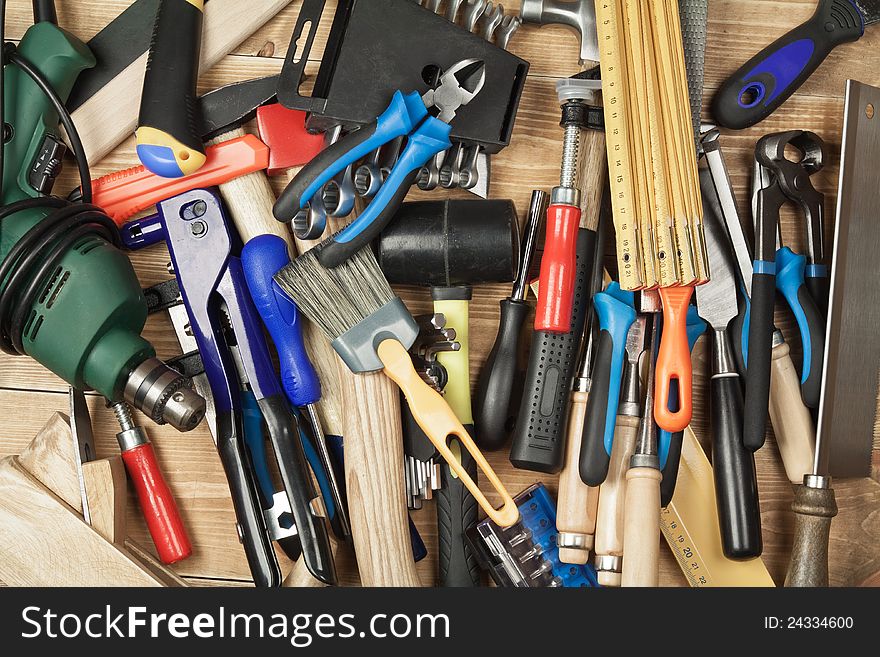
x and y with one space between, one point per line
410 116
802 280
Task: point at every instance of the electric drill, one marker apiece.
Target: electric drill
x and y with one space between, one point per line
69 298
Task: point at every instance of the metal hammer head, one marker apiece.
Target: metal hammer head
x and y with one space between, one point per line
284 132
580 15
451 243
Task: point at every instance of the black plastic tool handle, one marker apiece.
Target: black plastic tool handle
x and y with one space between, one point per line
246 501
539 437
595 459
291 460
769 78
819 289
670 469
760 348
169 101
736 483
494 415
456 513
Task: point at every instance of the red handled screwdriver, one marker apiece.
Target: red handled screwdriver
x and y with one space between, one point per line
155 498
558 264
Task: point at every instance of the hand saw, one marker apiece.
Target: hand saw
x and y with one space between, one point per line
107 115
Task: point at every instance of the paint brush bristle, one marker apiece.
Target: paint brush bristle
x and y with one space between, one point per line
336 299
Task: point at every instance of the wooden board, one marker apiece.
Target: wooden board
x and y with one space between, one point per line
737 29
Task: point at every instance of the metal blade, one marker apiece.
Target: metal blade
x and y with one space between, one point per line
83 442
635 339
848 403
117 45
716 300
715 176
870 10
234 104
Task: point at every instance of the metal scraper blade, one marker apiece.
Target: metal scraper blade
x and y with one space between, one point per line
848 406
870 10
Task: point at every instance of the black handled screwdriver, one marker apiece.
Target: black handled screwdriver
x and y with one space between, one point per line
493 415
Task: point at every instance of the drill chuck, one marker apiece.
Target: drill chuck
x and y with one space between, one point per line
164 395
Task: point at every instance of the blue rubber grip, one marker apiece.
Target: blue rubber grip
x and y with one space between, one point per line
616 313
432 137
141 233
789 281
696 326
399 119
261 258
252 419
769 78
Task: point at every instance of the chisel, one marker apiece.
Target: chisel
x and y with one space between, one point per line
578 503
612 494
169 142
791 420
736 485
641 524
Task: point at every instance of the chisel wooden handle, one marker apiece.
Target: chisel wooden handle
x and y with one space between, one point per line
791 420
374 480
814 508
612 494
641 528
578 503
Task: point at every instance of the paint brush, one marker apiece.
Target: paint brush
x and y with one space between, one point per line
371 330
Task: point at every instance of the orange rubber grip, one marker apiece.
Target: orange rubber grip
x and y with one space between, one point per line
157 503
558 270
125 193
674 361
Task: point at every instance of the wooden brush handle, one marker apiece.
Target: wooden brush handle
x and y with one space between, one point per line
612 493
814 508
374 480
791 419
438 421
641 528
578 503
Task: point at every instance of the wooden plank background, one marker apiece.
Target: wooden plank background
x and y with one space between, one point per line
737 29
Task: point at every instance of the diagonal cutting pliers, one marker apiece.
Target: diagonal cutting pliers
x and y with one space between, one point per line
425 122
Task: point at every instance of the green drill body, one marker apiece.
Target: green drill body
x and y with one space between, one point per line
85 327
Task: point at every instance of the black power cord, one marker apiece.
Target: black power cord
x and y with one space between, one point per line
33 261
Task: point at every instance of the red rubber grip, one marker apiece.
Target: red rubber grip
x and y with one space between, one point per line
558 270
157 503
